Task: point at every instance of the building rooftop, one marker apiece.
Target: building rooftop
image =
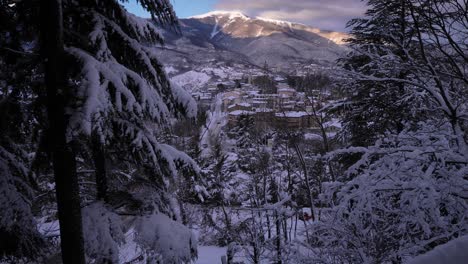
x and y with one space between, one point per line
241 112
292 114
240 104
286 89
264 110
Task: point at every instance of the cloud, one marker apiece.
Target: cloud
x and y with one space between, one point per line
324 14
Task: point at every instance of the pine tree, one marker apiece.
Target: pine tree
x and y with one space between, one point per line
109 105
373 108
64 161
122 107
244 132
20 240
395 82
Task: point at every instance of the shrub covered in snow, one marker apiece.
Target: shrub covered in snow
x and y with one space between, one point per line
408 194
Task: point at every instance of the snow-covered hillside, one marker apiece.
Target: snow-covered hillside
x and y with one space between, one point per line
191 80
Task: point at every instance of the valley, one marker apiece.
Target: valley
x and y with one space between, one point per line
167 132
256 118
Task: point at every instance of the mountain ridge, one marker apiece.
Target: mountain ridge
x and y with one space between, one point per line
234 36
335 36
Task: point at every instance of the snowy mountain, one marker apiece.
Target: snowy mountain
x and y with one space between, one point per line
239 25
234 36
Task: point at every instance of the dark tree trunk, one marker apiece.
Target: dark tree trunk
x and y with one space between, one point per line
66 181
256 254
230 254
285 227
100 167
278 238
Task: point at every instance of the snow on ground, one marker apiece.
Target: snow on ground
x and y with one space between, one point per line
48 229
453 252
215 29
170 70
129 251
191 80
213 255
210 254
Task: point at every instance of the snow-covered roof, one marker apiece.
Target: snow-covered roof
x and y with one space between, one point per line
292 114
264 110
241 112
266 95
235 94
240 104
286 89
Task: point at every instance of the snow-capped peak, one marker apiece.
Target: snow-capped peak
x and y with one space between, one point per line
238 14
277 22
231 14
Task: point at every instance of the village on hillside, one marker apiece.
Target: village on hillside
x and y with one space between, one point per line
270 104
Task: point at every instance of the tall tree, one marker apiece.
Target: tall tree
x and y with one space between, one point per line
108 102
122 108
373 108
58 96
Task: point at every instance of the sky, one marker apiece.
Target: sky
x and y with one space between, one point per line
323 14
